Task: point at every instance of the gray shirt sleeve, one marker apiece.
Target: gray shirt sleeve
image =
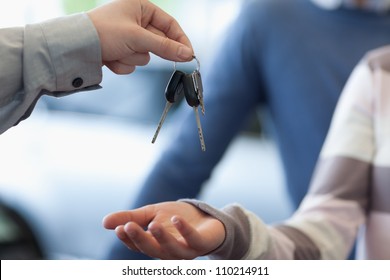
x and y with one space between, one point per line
247 236
55 57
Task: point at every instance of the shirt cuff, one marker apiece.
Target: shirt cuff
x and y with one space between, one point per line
74 54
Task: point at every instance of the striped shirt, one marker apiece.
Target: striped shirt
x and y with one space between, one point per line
349 196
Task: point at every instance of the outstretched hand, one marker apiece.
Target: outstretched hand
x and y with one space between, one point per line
130 29
168 230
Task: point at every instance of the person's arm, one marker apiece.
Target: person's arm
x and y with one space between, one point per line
325 225
337 202
65 55
54 57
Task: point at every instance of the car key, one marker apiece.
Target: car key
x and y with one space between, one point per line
193 100
197 80
172 92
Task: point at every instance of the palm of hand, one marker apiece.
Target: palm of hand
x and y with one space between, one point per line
175 230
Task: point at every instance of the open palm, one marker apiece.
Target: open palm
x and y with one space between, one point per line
168 230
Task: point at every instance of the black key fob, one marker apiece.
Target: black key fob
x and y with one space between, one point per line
190 91
174 87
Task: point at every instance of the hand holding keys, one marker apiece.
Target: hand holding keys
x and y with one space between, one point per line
191 86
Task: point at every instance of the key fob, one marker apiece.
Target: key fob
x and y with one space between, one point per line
174 87
190 91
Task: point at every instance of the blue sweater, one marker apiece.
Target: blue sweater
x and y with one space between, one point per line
290 57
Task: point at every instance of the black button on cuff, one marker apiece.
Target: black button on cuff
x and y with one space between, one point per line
78 82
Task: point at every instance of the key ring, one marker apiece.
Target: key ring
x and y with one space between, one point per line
197 63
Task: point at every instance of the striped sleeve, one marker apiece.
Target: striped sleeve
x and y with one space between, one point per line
327 222
349 185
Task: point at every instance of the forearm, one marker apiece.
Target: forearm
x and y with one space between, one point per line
326 224
323 228
55 57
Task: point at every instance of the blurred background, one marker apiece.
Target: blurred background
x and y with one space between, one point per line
83 156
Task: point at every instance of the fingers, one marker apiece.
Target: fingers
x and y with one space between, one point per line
111 221
158 242
168 236
142 240
166 24
128 64
166 38
140 216
120 68
136 59
136 239
122 235
163 46
170 246
189 233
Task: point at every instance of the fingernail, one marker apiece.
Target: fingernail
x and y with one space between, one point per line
185 53
154 229
132 233
129 231
176 221
119 232
156 232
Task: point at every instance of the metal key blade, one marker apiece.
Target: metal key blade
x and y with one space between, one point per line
200 131
197 80
162 119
